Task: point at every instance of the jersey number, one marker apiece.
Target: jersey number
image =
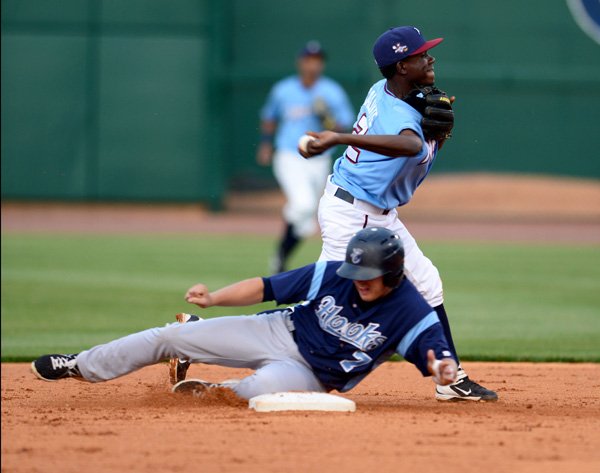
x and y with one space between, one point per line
360 128
360 359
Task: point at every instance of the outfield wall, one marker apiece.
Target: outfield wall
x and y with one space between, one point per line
158 99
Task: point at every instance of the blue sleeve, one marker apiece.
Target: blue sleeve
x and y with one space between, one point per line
270 110
268 290
297 285
426 335
400 118
412 121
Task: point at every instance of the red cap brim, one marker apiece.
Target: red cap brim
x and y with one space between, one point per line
432 43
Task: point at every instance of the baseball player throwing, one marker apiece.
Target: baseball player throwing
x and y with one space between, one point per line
356 315
295 104
401 126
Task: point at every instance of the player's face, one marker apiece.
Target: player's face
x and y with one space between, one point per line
420 69
372 290
310 68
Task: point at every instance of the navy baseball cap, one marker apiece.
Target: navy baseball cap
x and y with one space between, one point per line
312 48
399 43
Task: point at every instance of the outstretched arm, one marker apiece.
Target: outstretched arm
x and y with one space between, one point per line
429 351
246 292
443 371
264 154
407 143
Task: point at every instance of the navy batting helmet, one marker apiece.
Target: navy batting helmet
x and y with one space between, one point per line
374 252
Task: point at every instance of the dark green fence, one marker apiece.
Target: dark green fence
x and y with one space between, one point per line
159 99
109 100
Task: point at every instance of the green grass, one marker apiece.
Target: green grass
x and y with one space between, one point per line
505 301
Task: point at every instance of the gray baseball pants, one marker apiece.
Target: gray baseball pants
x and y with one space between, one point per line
261 342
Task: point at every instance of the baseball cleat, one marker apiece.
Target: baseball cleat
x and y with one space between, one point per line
229 383
177 367
55 367
465 390
182 318
197 387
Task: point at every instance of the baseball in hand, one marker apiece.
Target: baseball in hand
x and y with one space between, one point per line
303 142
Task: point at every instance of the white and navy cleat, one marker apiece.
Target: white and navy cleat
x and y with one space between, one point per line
464 390
55 367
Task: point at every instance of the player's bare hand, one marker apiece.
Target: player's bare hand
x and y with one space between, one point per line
324 140
264 154
199 295
444 371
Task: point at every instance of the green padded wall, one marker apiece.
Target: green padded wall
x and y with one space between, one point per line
108 100
158 100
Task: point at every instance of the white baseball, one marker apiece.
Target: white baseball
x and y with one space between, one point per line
303 142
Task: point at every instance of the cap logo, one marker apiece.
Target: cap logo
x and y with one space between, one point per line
399 48
356 255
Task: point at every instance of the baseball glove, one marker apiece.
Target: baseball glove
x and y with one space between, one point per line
436 108
323 113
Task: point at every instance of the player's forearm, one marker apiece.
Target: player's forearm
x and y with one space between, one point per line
267 128
247 292
386 145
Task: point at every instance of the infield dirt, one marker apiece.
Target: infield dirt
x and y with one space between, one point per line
547 419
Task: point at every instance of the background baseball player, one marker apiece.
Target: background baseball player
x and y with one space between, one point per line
295 104
358 313
402 124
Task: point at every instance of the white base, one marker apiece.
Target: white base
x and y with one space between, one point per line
294 401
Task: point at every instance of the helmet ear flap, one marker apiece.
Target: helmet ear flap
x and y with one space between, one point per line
393 279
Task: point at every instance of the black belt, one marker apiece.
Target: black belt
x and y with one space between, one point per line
290 326
293 331
347 197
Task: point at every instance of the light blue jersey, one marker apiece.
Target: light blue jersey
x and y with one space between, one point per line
291 104
380 180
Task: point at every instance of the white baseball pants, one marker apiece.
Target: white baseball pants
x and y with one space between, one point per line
340 220
261 342
302 181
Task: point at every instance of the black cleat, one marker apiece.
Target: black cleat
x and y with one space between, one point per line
177 367
465 390
184 318
55 367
